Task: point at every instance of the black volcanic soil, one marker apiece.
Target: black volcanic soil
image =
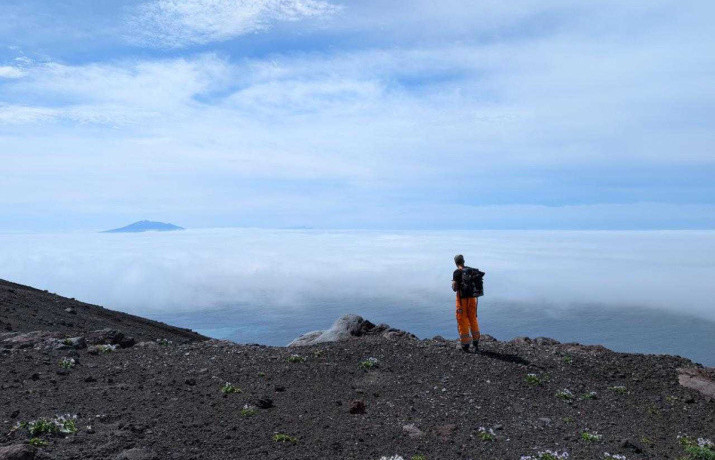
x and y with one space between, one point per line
165 401
24 309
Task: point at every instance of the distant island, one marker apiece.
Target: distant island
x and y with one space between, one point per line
145 226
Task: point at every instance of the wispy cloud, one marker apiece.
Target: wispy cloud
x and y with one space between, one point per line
177 23
11 72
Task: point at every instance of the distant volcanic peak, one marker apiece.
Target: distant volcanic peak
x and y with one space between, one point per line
145 226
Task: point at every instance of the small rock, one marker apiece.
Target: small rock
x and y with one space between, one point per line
90 379
17 452
545 420
264 403
357 407
280 388
445 431
412 431
136 454
635 447
190 382
71 311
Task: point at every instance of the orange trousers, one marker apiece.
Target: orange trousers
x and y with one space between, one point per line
467 319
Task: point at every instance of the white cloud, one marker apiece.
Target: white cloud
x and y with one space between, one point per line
176 23
11 72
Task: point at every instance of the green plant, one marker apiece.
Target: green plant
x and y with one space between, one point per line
41 426
248 411
568 359
228 388
164 342
486 434
104 349
61 424
280 437
589 395
296 359
261 374
67 342
419 457
565 394
608 456
620 389
568 419
591 437
67 363
533 379
647 440
37 442
700 449
369 363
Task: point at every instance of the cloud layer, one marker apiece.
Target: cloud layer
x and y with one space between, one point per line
176 23
239 268
508 115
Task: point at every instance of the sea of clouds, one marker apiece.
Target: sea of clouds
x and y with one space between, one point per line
209 269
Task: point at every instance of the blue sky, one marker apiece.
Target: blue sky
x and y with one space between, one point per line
361 114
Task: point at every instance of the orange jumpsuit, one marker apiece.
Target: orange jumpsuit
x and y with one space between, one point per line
467 319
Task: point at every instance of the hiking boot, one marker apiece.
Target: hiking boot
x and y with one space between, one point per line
465 348
476 346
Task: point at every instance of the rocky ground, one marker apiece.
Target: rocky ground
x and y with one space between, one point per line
384 393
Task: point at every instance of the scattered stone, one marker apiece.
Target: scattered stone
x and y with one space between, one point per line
190 382
412 431
137 454
357 407
71 311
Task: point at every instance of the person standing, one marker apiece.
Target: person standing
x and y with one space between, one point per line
467 283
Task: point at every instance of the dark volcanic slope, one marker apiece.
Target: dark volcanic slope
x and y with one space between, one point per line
424 397
24 309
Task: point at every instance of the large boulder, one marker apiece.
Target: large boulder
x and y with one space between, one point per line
109 337
348 327
342 329
701 379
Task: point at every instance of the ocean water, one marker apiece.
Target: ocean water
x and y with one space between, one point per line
648 292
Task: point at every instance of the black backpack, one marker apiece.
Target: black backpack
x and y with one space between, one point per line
472 282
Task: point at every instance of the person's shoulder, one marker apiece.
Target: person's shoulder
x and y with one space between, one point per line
456 272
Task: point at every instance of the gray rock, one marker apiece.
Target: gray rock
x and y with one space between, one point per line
136 454
34 339
699 379
17 452
412 431
109 337
342 329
